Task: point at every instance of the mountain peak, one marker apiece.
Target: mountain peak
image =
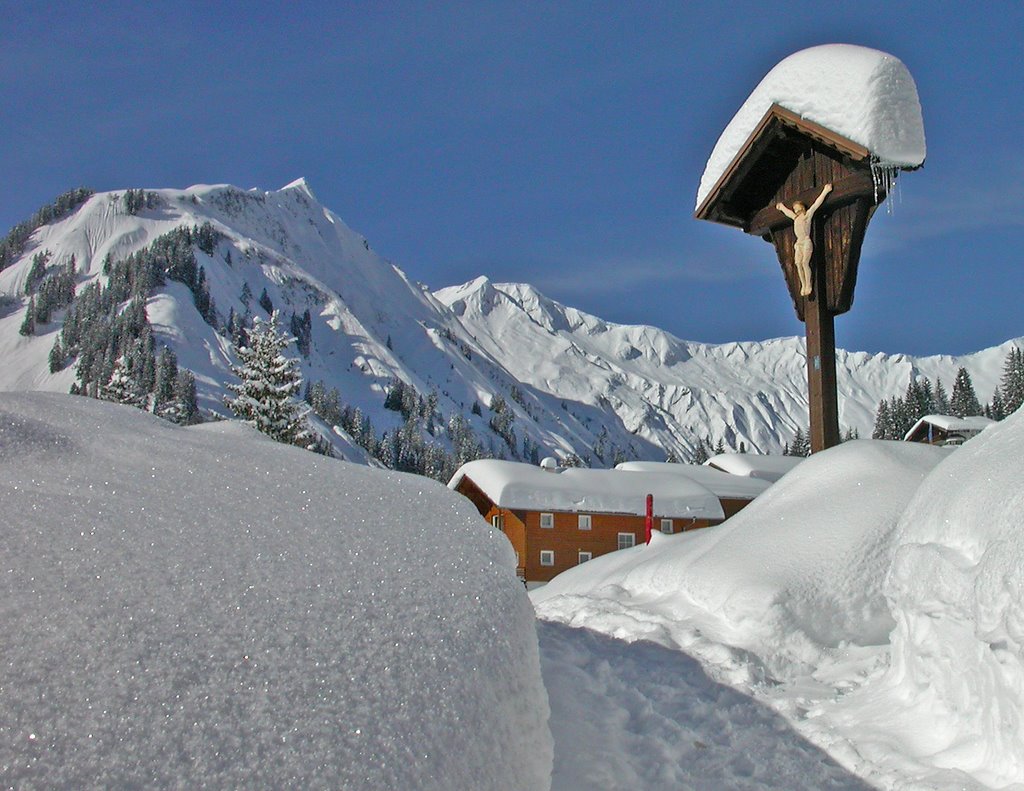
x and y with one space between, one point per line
300 185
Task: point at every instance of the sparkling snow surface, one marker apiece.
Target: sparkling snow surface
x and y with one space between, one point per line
874 597
202 607
862 94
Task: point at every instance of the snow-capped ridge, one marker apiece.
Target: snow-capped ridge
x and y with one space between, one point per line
574 383
300 185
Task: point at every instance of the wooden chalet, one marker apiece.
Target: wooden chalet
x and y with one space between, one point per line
946 430
559 518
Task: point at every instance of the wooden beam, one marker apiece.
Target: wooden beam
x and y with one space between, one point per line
854 187
822 397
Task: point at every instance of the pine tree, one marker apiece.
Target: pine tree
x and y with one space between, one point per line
185 407
899 418
1011 386
997 409
964 402
164 381
57 359
882 421
265 397
28 326
121 387
265 302
801 445
942 406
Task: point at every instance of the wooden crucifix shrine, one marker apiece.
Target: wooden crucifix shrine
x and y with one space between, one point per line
790 160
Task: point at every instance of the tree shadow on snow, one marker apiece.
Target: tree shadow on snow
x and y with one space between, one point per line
642 716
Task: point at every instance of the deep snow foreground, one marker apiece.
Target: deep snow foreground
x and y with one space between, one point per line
202 607
642 716
873 597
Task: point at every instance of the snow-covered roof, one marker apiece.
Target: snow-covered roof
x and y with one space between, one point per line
970 424
752 465
511 484
723 484
862 94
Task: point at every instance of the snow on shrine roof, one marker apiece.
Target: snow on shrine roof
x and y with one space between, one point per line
971 424
512 484
753 465
862 94
723 484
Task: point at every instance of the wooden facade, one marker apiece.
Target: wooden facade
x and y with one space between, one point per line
567 542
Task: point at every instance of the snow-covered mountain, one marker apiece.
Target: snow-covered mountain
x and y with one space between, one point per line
570 382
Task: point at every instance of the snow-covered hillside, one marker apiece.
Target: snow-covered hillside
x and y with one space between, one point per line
569 382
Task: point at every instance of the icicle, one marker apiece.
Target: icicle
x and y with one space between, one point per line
883 176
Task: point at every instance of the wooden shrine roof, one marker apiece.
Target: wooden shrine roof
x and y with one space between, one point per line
750 181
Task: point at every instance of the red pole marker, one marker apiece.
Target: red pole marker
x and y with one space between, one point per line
649 521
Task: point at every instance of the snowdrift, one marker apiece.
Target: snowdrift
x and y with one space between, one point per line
956 589
202 607
877 588
797 572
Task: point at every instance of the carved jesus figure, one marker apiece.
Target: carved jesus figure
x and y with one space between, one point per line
804 248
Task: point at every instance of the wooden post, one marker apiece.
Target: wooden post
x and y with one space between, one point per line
819 323
822 397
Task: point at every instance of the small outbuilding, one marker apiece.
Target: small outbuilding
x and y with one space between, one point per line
947 430
558 518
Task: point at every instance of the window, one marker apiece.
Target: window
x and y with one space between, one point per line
627 540
547 557
584 521
584 556
498 521
547 521
666 526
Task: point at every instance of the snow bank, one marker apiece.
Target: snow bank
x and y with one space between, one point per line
204 608
798 572
879 586
864 95
957 593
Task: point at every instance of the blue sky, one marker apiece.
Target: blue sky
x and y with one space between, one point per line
559 144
